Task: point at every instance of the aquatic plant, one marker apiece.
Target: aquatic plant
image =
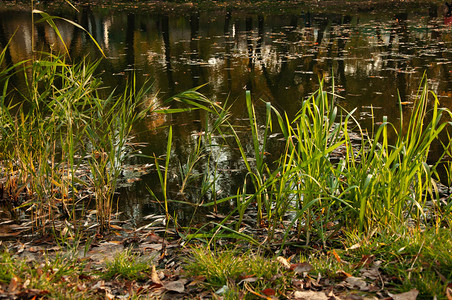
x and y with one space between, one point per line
325 180
62 139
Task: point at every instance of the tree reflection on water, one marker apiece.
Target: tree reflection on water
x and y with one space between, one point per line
372 56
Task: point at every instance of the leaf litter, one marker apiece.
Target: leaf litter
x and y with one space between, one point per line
164 252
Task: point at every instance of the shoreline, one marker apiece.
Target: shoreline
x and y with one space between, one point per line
265 5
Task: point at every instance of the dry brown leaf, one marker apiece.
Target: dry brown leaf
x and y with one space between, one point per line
111 242
13 284
115 227
35 249
310 295
246 285
176 286
356 282
449 293
343 274
301 267
9 234
283 262
411 295
87 267
31 294
352 247
147 247
109 295
373 272
197 280
269 292
365 261
336 256
26 283
249 279
154 276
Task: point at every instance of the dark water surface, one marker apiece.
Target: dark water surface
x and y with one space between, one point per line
278 54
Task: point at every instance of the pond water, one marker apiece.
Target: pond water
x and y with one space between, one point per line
373 54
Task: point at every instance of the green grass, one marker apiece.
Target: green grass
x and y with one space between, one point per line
411 258
374 184
62 275
54 276
238 269
376 193
127 265
62 137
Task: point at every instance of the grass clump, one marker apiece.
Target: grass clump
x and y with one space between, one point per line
233 271
127 265
325 179
410 258
63 140
335 179
54 276
6 266
386 261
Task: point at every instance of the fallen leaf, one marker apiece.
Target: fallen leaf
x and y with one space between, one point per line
154 276
32 294
13 284
373 272
176 286
269 292
222 290
10 234
283 261
301 267
449 293
26 283
343 274
356 282
35 249
310 295
249 279
441 276
365 261
146 247
336 256
197 280
411 295
352 247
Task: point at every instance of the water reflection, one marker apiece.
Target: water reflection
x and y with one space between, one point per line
373 57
